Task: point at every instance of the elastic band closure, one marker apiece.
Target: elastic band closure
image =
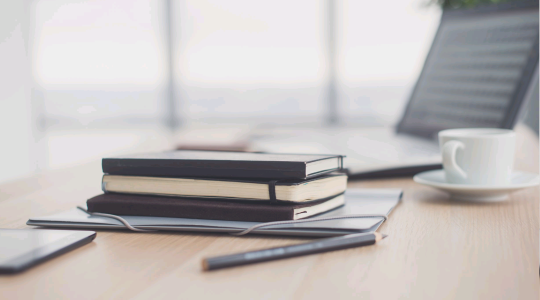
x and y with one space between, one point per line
272 190
245 231
250 229
126 223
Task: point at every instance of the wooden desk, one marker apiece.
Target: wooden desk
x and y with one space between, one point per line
437 249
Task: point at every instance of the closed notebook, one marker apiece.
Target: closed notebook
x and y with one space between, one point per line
173 207
253 190
218 164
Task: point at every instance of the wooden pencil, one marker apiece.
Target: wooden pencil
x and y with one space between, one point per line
324 245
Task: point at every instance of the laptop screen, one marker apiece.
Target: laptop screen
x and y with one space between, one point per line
477 71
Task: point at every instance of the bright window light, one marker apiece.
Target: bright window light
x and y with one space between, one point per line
251 42
104 42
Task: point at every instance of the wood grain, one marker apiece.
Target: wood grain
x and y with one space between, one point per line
436 249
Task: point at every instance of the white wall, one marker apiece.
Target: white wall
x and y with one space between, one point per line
16 127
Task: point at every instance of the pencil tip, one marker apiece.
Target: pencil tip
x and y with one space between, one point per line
204 263
384 235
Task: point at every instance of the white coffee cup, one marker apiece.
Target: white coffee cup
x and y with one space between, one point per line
479 156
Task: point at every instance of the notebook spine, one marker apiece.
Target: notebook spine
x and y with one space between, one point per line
104 184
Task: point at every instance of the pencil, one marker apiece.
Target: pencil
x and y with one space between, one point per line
324 245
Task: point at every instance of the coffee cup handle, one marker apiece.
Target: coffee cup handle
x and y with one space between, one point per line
449 157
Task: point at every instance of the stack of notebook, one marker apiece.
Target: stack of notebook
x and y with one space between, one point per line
232 186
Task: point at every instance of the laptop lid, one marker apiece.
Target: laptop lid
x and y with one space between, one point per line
478 70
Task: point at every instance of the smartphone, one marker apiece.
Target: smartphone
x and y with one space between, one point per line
23 248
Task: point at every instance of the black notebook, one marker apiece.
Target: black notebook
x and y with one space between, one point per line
216 164
291 190
175 207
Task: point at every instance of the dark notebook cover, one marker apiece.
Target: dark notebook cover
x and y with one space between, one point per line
174 207
216 164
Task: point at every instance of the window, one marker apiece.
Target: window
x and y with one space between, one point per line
101 68
381 48
250 61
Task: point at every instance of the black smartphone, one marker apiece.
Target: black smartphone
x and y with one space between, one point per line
23 248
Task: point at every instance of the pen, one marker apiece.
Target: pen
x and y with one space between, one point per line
324 245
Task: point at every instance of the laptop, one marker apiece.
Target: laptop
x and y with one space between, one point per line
478 73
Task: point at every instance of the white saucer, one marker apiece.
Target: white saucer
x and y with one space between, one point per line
477 193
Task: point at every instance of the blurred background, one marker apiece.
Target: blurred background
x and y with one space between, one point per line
80 80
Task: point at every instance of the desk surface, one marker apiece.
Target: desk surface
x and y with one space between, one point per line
436 249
